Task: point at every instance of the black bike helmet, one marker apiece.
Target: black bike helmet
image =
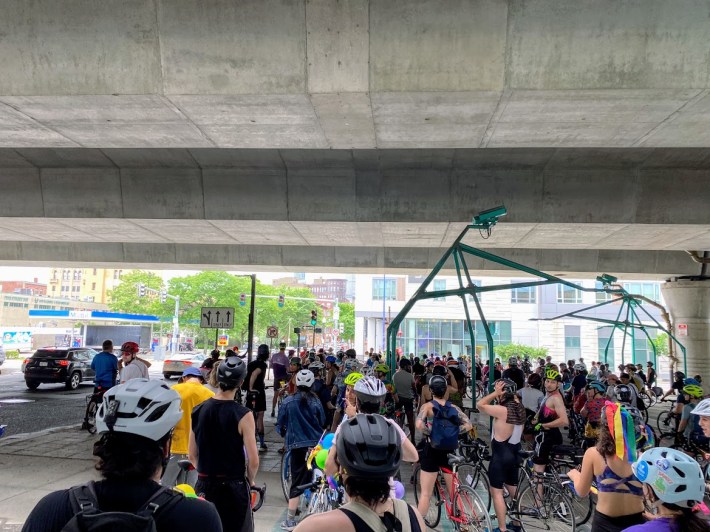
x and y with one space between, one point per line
438 386
441 371
623 393
510 387
262 352
231 372
404 363
368 446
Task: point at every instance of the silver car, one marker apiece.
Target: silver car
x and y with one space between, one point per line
174 365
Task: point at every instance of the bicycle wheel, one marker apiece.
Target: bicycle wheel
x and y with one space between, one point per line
477 479
664 422
582 507
552 512
433 515
286 473
469 513
91 417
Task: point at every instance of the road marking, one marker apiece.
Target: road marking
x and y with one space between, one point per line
14 401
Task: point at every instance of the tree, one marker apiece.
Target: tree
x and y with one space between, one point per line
124 298
520 351
347 318
661 344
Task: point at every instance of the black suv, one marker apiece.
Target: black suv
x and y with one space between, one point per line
60 364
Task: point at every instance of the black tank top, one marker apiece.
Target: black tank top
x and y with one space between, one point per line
221 447
259 382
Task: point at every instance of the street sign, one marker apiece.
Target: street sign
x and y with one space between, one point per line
223 340
217 318
272 332
682 329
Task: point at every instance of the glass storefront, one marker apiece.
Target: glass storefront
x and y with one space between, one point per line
428 336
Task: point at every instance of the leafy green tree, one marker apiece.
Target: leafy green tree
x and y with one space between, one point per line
519 350
347 318
661 344
124 298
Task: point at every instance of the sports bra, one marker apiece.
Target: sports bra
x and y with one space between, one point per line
615 486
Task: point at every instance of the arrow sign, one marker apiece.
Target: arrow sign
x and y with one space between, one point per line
217 318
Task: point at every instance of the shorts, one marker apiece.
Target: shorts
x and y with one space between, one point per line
604 523
545 442
232 498
504 465
299 473
406 404
431 460
256 400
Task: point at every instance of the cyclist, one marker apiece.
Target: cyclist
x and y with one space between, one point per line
349 398
690 426
332 366
620 495
458 379
626 393
508 423
381 372
404 389
208 364
322 391
135 421
133 368
514 373
550 417
672 484
279 365
592 409
650 376
105 366
223 447
678 378
369 393
702 410
256 391
531 395
368 450
301 419
192 393
431 458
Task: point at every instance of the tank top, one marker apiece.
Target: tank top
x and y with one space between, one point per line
259 382
545 414
221 447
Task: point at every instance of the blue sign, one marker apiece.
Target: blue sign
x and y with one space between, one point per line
98 315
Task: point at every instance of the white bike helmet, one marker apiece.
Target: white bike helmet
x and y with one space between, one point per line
305 378
702 408
351 365
370 390
673 476
579 367
316 366
141 407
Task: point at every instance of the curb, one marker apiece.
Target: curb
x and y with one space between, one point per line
30 435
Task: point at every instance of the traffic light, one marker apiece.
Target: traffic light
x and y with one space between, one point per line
314 317
282 300
341 327
141 290
163 295
242 299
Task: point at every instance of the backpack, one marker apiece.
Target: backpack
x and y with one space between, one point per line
88 517
445 427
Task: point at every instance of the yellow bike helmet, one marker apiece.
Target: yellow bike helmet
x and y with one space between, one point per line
693 390
352 378
553 375
382 368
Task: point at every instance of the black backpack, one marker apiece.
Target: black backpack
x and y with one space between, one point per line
88 517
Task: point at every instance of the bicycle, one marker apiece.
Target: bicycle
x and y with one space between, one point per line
563 459
321 495
93 401
400 417
665 418
472 471
464 507
551 510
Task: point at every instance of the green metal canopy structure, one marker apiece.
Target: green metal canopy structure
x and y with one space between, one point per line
459 252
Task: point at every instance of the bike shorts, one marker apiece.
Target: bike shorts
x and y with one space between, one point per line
406 404
299 472
605 523
504 465
232 498
546 440
431 460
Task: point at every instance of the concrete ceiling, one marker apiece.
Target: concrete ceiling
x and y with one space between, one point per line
312 134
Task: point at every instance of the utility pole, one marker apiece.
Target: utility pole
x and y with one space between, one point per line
251 315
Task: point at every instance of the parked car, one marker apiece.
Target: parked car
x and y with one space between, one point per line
70 366
175 365
2 354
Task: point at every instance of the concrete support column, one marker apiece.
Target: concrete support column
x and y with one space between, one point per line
689 304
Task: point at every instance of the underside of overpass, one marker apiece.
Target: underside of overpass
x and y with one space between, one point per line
357 135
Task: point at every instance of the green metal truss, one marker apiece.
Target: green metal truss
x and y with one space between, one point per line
458 253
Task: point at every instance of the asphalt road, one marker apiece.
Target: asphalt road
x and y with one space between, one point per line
51 405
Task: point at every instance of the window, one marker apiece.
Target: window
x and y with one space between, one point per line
501 332
384 289
439 284
523 295
602 339
650 290
602 296
93 286
573 342
567 294
476 282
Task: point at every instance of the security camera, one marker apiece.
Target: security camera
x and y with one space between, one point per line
490 216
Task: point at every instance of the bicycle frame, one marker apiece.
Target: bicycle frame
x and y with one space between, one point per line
448 501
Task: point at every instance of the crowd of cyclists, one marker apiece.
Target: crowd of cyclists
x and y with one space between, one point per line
376 419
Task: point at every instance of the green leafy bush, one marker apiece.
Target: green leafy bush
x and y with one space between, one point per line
504 352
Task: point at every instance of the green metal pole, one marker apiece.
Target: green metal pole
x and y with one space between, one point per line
623 341
469 325
633 336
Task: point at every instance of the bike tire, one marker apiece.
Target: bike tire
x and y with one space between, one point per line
433 515
583 507
552 513
286 474
477 479
91 409
664 422
469 513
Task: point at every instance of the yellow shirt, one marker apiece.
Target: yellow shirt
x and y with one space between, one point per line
191 394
